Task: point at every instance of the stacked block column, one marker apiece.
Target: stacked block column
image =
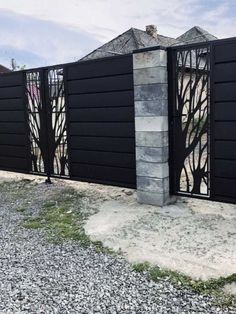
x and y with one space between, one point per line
151 126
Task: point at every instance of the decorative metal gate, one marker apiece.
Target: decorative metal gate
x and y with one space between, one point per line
202 116
46 111
190 120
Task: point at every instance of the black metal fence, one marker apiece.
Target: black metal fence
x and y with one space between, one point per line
72 121
77 121
14 148
202 94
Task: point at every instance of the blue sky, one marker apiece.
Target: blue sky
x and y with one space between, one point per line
43 32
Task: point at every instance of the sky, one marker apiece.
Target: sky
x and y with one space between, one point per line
45 32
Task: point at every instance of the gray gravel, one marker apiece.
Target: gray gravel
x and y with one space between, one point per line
39 277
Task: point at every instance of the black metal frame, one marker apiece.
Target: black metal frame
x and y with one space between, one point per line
222 178
46 111
185 105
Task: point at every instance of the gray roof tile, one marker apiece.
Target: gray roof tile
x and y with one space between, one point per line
134 39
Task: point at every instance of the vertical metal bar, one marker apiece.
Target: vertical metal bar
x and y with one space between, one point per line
45 101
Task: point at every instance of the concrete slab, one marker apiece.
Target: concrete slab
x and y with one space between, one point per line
195 237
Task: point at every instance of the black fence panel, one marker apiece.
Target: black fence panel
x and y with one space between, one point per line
101 129
14 143
70 121
224 120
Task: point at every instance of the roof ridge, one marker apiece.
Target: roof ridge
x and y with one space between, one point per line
135 38
107 43
201 31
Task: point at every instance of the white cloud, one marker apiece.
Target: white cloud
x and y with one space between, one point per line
35 42
48 23
105 18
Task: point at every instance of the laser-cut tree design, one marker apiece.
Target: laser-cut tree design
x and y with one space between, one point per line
191 127
47 121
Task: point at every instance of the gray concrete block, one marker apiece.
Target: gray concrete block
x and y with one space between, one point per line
151 169
158 107
152 154
149 59
150 75
151 139
151 92
151 123
151 184
152 198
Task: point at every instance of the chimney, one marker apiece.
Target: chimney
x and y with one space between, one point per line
151 30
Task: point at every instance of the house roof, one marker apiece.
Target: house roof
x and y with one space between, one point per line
196 34
134 39
130 40
4 69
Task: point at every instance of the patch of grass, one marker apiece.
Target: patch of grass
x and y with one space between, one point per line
32 223
21 209
210 287
141 267
62 218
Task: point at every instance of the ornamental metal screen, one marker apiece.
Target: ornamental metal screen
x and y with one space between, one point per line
202 120
191 120
47 121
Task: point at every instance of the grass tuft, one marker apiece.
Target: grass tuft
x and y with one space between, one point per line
210 287
62 218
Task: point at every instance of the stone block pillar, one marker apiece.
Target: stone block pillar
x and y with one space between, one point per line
151 125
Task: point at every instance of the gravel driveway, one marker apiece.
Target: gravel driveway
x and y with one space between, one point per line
39 277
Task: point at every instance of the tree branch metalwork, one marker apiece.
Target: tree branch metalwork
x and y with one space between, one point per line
47 121
191 126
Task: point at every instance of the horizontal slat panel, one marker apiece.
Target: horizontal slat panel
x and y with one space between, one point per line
12 128
103 158
125 129
92 172
225 92
12 116
11 92
103 144
225 168
11 104
225 110
114 83
226 150
224 72
110 99
225 52
225 187
11 79
103 67
13 163
102 114
225 130
14 151
12 139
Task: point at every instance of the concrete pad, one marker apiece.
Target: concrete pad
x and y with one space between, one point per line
230 288
195 237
